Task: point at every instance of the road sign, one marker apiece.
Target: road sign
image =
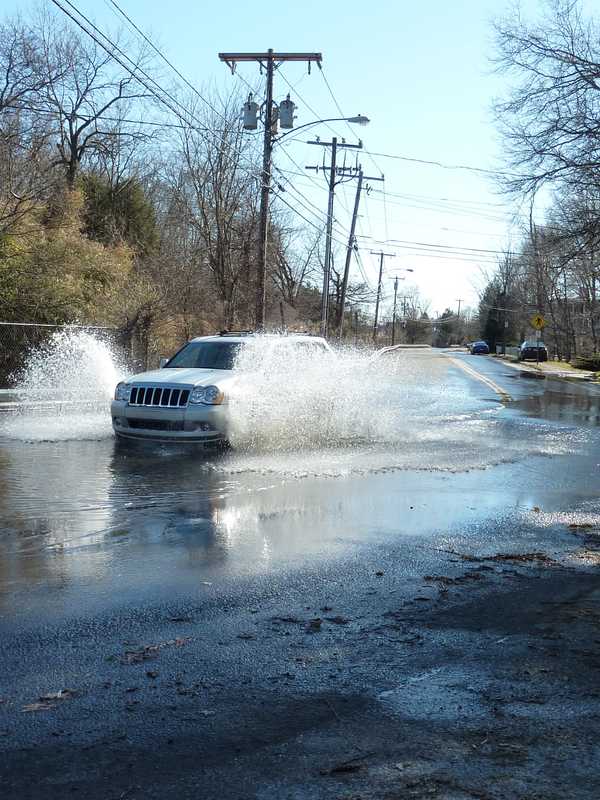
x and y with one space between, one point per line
538 322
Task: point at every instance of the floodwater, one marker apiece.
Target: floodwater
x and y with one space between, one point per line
329 457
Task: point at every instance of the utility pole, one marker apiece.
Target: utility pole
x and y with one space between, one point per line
327 270
381 255
340 315
349 248
458 325
270 61
265 188
333 172
394 313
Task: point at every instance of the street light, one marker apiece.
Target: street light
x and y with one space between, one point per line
359 119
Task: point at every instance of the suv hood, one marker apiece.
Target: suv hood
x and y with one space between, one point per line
187 377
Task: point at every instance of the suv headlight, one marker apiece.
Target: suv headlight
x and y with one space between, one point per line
123 392
210 395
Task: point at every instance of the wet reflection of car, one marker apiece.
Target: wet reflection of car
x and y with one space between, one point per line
187 399
479 348
533 351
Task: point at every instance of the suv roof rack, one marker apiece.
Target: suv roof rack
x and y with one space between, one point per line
235 333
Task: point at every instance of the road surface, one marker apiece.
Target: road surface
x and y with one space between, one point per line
412 611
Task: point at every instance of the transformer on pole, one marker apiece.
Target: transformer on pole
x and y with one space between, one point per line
286 113
250 114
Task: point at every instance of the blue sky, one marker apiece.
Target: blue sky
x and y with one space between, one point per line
420 71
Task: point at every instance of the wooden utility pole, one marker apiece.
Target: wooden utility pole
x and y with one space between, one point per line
381 255
327 270
350 247
270 61
334 172
394 312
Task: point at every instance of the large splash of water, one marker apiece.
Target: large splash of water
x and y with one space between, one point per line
64 388
288 397
296 413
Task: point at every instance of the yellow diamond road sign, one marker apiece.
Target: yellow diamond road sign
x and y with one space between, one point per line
538 322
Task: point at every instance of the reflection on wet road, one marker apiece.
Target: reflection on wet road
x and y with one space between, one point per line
85 522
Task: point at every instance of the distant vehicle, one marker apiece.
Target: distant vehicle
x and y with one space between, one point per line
529 351
479 348
187 399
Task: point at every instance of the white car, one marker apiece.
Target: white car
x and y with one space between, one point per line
186 400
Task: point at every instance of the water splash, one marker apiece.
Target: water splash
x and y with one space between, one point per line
289 397
64 388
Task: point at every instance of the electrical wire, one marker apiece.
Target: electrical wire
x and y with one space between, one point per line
163 57
157 92
48 112
318 213
310 108
339 108
442 165
152 86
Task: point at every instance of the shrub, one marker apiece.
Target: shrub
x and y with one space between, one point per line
591 362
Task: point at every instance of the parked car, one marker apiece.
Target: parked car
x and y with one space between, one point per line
479 348
530 351
187 398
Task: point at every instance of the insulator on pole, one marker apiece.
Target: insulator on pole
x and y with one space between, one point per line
250 114
286 113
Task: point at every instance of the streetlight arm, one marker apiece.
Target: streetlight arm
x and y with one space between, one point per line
358 120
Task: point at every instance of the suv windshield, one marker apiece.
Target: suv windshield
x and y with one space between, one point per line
205 355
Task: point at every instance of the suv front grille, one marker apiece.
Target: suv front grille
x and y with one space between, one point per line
155 424
158 397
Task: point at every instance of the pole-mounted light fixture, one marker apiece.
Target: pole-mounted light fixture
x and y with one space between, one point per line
360 119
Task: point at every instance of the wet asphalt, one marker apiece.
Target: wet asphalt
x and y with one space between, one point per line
414 619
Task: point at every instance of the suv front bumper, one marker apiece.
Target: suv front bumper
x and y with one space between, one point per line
194 423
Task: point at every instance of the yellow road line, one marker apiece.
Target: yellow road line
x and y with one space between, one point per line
478 376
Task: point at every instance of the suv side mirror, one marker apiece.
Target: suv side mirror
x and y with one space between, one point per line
162 362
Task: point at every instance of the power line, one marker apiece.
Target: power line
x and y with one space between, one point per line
450 247
442 165
164 58
337 105
303 99
49 112
317 213
454 200
308 221
158 92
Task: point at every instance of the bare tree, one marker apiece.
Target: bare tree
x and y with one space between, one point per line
218 193
550 121
25 129
294 261
90 94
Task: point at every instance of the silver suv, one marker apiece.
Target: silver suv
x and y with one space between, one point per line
187 399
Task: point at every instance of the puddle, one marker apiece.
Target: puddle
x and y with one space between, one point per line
577 405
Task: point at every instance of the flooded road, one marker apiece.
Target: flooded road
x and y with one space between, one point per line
88 522
399 598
